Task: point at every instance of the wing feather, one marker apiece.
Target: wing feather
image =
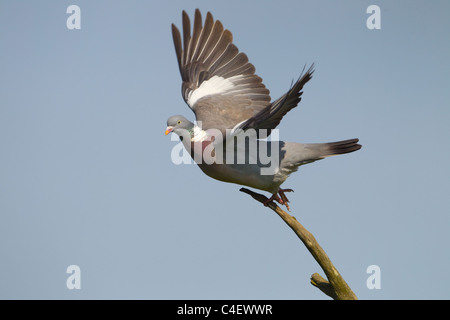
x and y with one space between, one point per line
218 82
271 116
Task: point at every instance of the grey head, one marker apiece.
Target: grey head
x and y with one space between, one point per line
179 125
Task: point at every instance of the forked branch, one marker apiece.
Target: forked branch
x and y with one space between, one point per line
335 287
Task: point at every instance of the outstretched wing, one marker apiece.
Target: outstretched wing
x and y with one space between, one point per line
271 116
219 83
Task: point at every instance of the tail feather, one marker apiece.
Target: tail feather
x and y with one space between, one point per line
297 154
339 147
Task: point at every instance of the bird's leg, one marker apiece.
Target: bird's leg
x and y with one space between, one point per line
282 199
272 198
282 195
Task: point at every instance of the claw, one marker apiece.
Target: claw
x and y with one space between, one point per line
282 195
274 197
282 199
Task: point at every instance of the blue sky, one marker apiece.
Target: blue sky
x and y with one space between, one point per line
86 177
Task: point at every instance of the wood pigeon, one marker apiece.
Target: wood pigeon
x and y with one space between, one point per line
229 100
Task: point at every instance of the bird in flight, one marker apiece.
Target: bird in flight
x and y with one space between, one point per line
230 101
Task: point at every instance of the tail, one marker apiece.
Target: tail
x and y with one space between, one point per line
334 148
296 154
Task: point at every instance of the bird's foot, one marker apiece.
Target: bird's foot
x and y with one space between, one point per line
282 199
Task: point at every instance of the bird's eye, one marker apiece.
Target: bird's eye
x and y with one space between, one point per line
179 122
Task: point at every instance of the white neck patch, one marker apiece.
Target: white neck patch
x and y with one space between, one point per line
199 134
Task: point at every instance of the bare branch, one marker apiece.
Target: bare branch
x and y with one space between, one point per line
335 287
323 285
